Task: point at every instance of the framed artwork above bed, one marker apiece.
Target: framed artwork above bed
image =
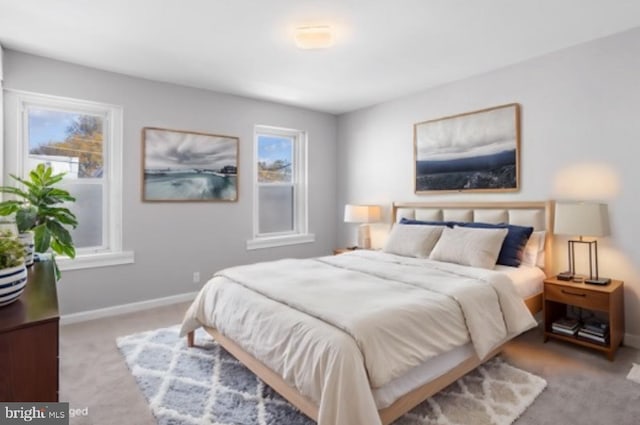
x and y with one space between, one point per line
474 151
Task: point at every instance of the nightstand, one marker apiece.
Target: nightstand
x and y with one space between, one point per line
339 251
607 300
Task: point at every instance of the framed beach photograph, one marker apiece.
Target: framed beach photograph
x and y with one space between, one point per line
183 166
474 151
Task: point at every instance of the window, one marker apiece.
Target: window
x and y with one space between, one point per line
84 140
280 188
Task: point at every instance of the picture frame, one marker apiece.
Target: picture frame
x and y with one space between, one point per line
188 166
476 151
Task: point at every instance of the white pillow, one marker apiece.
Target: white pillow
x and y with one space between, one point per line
469 246
533 253
412 240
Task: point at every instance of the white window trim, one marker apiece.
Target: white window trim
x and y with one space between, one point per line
112 225
89 261
276 241
301 233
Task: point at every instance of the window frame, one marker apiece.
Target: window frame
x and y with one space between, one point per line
299 176
111 252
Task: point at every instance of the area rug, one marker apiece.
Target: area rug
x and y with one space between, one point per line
634 373
207 386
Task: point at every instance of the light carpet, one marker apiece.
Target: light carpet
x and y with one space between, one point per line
207 386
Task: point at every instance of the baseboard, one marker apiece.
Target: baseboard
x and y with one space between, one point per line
632 340
116 310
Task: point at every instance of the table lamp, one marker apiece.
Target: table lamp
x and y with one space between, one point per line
363 214
583 219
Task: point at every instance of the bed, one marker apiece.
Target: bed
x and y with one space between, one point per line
372 351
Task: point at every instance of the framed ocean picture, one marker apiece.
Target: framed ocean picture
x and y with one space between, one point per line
474 151
185 166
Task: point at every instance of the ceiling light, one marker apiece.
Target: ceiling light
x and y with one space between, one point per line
316 37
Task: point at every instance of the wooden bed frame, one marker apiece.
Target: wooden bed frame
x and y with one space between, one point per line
410 400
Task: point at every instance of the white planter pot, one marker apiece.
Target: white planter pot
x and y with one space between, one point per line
27 240
12 283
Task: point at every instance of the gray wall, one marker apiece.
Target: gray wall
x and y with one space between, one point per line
580 127
171 241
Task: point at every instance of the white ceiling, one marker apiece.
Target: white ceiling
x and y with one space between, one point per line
384 48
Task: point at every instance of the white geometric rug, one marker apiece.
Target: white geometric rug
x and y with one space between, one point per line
634 373
205 385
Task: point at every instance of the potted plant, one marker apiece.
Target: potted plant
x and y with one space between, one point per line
37 209
13 272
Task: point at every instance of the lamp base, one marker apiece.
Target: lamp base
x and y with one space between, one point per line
364 237
603 281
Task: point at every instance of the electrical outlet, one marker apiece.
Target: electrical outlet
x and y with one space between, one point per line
196 277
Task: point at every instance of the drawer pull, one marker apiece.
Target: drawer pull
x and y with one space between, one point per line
573 293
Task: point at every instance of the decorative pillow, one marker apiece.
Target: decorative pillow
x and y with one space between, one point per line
412 240
405 220
533 254
469 246
513 245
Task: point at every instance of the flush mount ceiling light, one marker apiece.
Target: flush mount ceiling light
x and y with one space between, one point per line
314 37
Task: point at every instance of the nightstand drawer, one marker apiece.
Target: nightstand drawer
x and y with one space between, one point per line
577 296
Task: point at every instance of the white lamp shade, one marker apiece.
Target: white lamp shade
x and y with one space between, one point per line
315 37
581 219
361 213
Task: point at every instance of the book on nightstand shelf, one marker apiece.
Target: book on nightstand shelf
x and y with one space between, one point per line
566 326
594 330
588 336
595 326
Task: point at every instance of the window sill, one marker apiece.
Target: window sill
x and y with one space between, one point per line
89 261
275 241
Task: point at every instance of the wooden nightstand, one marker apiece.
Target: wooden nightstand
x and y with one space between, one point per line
339 251
608 300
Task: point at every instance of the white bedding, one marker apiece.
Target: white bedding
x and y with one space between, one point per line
342 325
420 375
528 280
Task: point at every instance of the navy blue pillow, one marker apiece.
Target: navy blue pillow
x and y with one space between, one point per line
404 220
514 242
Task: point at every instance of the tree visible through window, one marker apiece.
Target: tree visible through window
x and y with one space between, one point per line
68 140
275 159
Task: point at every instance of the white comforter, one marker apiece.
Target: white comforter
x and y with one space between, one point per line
334 327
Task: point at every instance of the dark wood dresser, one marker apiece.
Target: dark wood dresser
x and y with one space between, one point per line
29 340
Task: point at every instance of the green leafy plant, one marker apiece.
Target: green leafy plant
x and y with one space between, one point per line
11 251
37 208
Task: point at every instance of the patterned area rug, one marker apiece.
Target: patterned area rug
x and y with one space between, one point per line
634 373
207 386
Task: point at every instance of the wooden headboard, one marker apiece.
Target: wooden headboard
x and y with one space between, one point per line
538 214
